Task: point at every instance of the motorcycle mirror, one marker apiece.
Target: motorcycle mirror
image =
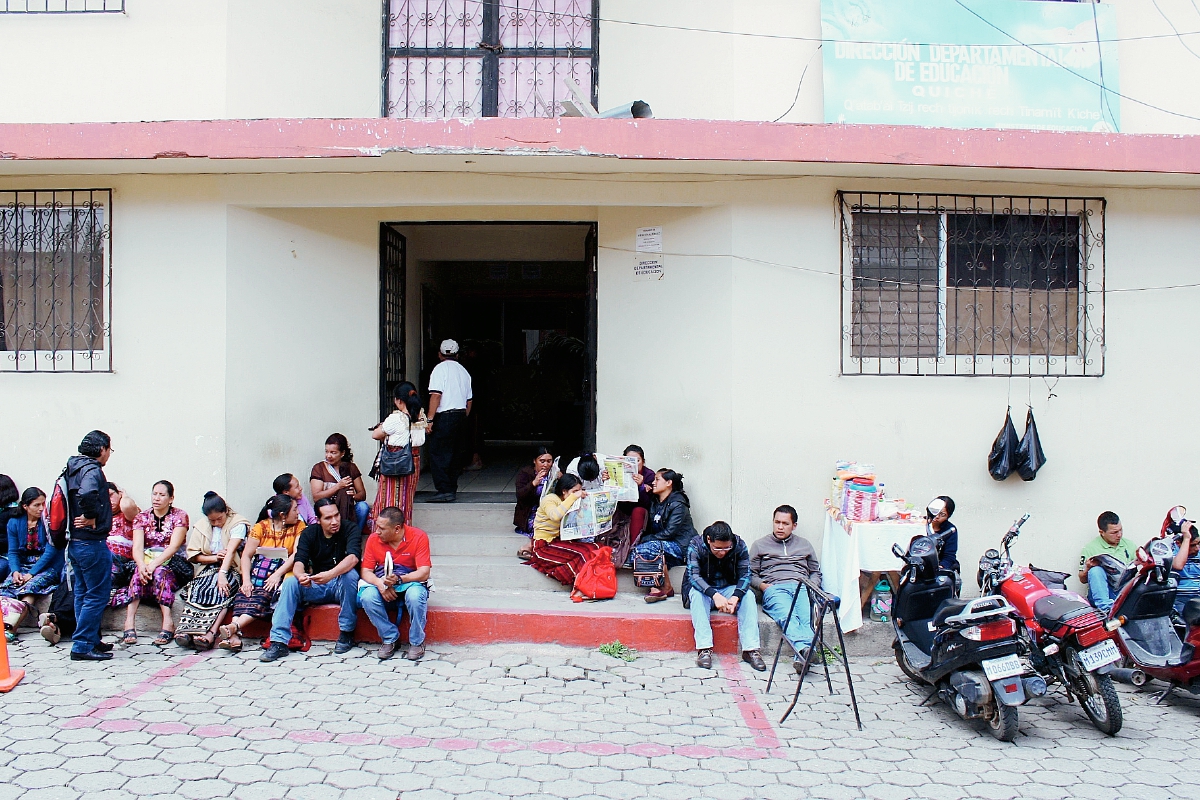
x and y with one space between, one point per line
896 551
1177 514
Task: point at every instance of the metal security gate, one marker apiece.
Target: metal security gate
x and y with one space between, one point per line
391 315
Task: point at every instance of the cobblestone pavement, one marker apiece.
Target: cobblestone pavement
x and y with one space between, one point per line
532 720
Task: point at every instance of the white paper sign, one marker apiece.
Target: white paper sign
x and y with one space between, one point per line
648 268
649 240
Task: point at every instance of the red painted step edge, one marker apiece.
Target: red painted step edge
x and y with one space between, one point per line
584 628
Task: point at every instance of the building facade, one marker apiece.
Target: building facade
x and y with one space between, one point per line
231 254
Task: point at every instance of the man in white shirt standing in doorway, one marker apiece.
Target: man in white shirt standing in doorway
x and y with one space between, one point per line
449 404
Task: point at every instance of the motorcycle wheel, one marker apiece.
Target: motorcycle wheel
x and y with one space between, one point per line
1005 723
907 668
1098 698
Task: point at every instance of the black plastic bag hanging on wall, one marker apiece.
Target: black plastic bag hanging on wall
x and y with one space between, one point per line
1003 458
1030 457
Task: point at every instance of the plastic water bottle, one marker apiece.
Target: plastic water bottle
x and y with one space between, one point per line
881 602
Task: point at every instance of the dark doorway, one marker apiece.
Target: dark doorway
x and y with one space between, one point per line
520 300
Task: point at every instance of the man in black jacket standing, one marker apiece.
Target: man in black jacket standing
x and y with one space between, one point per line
91 562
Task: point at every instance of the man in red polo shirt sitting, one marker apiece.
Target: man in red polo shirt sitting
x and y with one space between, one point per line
396 565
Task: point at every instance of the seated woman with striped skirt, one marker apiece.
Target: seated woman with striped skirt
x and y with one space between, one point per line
35 565
213 546
552 556
275 534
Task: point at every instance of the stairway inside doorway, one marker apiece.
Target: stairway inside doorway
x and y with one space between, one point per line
495 483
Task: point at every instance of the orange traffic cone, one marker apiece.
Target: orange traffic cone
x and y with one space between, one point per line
8 677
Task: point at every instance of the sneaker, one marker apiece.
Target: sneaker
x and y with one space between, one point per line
415 652
275 652
386 650
704 658
798 661
755 661
345 643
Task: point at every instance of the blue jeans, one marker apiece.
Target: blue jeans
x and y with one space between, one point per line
91 563
777 599
292 595
416 600
1098 593
362 509
747 618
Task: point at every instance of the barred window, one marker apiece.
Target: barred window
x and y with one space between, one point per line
55 249
966 285
61 6
487 58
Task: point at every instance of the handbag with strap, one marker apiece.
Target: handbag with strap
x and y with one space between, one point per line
648 572
396 462
597 579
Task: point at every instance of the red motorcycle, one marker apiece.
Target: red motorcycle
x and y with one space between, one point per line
1068 641
1156 642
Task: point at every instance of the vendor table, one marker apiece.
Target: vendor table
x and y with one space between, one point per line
851 548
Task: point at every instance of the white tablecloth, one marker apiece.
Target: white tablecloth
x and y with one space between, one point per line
849 548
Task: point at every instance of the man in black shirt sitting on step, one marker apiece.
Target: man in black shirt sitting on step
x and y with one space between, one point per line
327 556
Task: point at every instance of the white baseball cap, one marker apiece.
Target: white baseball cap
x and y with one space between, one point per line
449 347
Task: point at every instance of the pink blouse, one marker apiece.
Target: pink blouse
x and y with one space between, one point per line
158 534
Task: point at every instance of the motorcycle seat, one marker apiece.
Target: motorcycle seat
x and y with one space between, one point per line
1191 612
1052 610
948 608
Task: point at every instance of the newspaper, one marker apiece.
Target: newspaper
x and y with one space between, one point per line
621 470
591 517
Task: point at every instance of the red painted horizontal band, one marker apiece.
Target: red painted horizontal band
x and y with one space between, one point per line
585 628
653 139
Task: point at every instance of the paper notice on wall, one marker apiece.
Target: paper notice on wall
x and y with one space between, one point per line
649 240
648 268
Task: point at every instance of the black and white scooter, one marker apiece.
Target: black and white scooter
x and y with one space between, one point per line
967 650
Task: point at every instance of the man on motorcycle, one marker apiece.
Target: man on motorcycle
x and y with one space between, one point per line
1186 566
1092 573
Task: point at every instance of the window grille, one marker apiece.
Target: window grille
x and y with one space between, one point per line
55 305
968 285
487 58
62 6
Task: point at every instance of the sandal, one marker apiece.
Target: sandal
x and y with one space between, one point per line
164 638
185 640
231 639
203 642
129 637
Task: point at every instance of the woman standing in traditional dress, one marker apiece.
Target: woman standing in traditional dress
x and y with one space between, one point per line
212 546
158 536
405 425
35 565
262 573
551 555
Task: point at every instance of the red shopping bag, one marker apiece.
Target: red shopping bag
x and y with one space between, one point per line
597 579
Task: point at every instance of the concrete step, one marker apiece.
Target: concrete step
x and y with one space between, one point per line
483 544
436 518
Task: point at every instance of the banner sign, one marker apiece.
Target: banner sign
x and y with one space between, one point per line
971 64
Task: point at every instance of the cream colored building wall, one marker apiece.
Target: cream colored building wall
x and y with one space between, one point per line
245 332
700 59
180 59
164 401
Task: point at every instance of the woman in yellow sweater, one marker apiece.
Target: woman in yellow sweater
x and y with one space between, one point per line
552 556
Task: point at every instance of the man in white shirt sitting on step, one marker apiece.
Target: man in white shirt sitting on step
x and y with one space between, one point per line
449 404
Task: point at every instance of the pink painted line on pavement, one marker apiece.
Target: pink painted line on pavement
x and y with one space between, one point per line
91 718
752 711
766 743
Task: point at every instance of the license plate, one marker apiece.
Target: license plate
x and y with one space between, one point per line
1098 655
997 668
